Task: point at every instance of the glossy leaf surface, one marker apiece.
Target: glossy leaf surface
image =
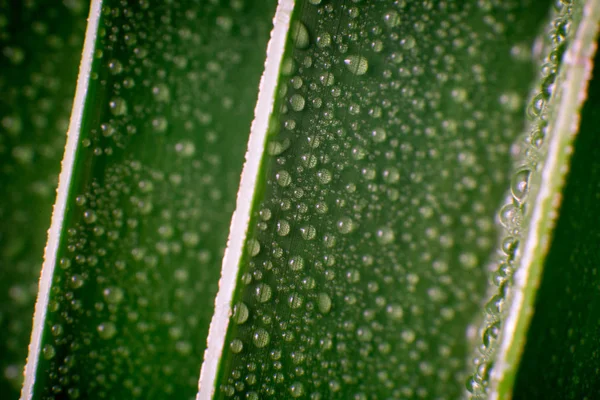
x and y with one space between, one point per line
366 260
156 167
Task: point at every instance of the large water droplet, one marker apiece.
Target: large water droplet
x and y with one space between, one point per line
358 65
261 338
299 35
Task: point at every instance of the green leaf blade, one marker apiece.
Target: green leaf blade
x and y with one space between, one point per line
365 260
529 220
40 46
156 164
563 333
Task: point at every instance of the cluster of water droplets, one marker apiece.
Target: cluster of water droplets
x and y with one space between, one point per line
528 154
170 103
364 261
40 48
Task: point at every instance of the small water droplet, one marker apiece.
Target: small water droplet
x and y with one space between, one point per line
297 102
240 313
283 178
324 303
107 330
263 292
520 184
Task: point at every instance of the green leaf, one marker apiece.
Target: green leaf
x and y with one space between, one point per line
536 191
563 337
367 254
40 46
155 148
366 257
563 331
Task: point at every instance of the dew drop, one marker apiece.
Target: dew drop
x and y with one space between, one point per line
345 225
107 330
308 232
113 295
283 228
295 300
297 102
324 176
263 292
240 313
118 106
283 178
520 184
236 346
296 263
395 312
253 247
324 303
297 389
358 65
391 19
299 35
48 351
385 235
261 338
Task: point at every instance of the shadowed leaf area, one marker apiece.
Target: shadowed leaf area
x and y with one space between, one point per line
40 49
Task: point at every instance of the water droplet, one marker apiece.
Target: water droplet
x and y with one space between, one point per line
107 330
395 311
520 184
508 216
295 300
261 338
263 292
324 176
161 92
299 35
324 40
391 19
253 247
296 263
283 178
185 148
385 235
324 303
160 124
89 216
378 135
113 295
297 389
236 346
345 225
308 232
297 102
115 67
118 106
358 65
48 351
283 228
240 313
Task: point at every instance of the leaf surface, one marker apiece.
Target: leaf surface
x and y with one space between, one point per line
40 46
560 360
367 253
537 188
155 149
